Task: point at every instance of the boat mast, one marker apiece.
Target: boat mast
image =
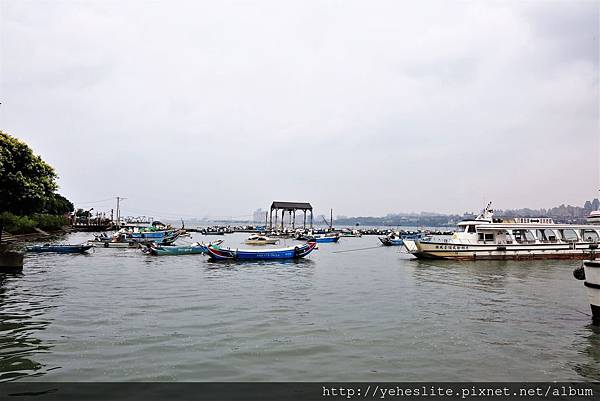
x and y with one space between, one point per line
331 219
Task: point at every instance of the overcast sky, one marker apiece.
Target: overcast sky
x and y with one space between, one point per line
217 108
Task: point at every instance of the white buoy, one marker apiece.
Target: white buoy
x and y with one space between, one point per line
592 283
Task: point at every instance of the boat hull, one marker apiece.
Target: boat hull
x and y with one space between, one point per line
256 242
58 248
433 250
178 250
324 240
592 284
216 253
391 242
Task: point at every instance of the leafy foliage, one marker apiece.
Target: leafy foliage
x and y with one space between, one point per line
58 204
26 224
27 183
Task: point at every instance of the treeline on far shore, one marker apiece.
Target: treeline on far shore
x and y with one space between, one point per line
560 214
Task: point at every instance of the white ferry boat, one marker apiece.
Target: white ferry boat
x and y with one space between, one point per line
486 237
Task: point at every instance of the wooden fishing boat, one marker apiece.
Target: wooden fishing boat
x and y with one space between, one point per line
260 240
120 244
195 248
391 240
395 239
293 252
320 239
59 248
121 240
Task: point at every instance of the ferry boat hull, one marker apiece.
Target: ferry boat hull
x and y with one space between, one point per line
435 250
486 237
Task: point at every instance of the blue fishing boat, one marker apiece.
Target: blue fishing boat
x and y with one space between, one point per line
396 239
123 240
320 239
391 240
164 250
293 252
58 248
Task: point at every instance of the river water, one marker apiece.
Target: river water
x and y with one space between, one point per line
343 314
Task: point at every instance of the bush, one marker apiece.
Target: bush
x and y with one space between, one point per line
26 224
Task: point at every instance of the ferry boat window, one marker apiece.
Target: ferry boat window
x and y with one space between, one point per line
486 237
471 229
518 235
549 235
569 235
590 235
529 236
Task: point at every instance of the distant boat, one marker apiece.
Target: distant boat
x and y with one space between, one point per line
122 240
58 248
391 240
195 248
292 252
396 239
350 233
260 240
320 239
594 217
212 232
110 244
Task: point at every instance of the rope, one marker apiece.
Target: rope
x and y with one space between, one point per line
357 249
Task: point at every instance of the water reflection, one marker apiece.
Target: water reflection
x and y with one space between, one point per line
17 326
591 348
483 277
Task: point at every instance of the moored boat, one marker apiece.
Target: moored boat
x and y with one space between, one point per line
293 252
486 237
192 249
590 272
258 239
123 240
350 233
396 239
594 217
59 248
324 238
392 239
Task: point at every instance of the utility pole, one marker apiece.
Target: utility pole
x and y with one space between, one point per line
118 211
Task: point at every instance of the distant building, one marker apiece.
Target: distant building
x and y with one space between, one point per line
259 216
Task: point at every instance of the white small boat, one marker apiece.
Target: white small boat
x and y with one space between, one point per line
594 217
260 240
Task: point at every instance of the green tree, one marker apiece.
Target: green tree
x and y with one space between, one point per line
27 183
58 204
